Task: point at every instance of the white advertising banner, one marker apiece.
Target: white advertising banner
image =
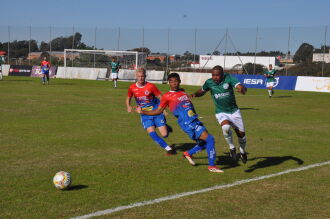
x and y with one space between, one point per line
319 84
189 78
80 73
5 69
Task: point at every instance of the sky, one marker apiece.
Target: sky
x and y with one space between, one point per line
181 17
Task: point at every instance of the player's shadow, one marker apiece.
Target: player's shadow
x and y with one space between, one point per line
282 96
225 161
77 187
270 161
248 108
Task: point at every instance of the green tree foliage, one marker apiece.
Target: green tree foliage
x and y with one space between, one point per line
250 67
19 49
142 49
304 54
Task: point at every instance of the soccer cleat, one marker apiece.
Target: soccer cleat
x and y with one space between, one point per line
171 152
189 158
214 169
233 155
243 157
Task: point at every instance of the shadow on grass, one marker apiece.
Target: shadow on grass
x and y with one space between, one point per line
76 187
225 161
248 109
61 83
270 161
282 96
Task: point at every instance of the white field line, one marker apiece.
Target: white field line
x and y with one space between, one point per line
175 196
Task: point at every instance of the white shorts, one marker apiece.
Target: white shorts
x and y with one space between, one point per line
270 84
114 75
235 119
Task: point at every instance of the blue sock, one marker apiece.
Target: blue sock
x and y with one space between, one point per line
43 79
158 139
211 150
199 146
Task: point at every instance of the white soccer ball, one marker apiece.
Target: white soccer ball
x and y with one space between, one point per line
62 180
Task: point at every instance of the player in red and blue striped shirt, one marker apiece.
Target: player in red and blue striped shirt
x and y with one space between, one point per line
182 108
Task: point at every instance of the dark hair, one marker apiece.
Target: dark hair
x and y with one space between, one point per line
174 75
218 68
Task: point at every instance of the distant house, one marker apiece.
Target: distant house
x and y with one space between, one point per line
321 57
161 57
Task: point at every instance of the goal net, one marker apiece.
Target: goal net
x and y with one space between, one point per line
100 60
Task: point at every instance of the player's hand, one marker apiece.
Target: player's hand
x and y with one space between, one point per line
138 110
191 96
129 109
165 113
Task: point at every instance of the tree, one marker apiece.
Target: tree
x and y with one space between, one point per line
216 53
304 54
250 67
142 49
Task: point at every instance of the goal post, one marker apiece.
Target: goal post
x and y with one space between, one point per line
129 60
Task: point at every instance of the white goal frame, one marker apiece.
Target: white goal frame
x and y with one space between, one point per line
102 52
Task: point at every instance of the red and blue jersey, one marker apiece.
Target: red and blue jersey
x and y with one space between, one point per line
145 96
180 106
45 65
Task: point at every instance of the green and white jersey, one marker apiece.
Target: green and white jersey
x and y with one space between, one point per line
2 60
223 94
270 74
114 67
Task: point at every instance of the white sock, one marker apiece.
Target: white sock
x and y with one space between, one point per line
270 92
242 144
115 83
168 148
228 135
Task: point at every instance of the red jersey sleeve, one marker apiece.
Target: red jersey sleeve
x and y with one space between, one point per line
164 102
129 92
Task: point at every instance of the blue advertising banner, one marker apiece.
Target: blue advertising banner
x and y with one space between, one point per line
259 81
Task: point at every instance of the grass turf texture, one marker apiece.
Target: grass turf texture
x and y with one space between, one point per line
82 127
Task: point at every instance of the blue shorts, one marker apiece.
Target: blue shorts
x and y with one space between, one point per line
157 121
194 129
46 72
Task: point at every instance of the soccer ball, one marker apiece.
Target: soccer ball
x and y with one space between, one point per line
62 180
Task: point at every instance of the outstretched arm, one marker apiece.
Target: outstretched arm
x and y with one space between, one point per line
157 111
198 93
241 89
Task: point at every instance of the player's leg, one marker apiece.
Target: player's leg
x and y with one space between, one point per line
224 121
149 125
209 139
238 124
43 78
47 76
160 123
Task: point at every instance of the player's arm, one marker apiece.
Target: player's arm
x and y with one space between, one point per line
241 89
157 111
128 104
198 93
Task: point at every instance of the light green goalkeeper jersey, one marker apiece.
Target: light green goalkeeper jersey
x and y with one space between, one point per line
223 94
270 75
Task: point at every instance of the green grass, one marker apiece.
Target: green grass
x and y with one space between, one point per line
82 127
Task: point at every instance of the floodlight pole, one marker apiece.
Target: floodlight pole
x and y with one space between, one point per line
168 48
325 43
195 48
73 35
94 44
287 56
50 44
8 45
29 57
224 59
255 51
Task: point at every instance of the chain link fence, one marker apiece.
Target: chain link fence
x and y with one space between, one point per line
177 49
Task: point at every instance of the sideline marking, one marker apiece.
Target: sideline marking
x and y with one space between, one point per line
171 197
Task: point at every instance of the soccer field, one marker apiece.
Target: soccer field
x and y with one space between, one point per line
82 127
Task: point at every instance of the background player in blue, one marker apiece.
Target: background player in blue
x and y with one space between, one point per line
45 66
147 97
182 108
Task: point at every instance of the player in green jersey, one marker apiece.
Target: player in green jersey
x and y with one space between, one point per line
115 66
270 80
221 86
2 60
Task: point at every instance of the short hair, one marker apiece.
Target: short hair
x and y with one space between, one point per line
174 75
141 70
218 68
